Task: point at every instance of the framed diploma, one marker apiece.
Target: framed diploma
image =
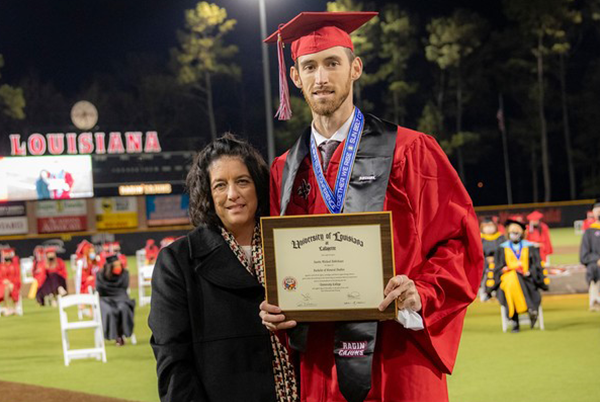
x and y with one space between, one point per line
329 267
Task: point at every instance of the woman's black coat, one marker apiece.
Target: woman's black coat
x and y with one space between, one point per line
207 335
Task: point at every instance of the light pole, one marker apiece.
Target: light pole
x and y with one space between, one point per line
267 83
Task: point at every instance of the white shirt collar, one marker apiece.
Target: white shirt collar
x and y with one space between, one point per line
340 135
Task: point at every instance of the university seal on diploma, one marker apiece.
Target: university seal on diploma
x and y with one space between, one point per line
329 267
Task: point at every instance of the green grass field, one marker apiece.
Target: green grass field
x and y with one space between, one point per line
559 364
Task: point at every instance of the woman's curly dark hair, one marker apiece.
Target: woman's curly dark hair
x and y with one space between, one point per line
202 208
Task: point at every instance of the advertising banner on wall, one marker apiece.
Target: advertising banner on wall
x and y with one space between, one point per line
61 216
13 218
116 212
167 209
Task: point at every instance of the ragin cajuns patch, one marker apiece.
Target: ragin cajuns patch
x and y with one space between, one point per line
352 349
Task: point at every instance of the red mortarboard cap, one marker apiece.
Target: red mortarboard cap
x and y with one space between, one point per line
82 247
535 216
7 252
312 32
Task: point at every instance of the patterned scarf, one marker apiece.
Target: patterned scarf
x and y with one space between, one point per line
283 370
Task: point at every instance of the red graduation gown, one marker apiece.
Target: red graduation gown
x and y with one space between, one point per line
10 271
436 243
43 270
541 236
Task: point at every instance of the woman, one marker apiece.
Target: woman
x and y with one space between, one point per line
116 307
51 277
89 265
518 274
207 336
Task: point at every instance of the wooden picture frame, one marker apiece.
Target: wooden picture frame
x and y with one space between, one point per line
276 232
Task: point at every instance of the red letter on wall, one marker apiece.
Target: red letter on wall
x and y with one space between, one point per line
71 143
100 147
56 143
36 144
115 143
17 147
86 143
152 144
134 142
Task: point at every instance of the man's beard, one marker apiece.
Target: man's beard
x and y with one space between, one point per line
327 108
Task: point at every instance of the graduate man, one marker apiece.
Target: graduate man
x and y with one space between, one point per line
589 255
438 251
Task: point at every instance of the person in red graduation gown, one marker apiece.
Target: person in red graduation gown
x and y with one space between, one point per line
539 233
438 252
10 278
89 263
588 221
51 276
151 251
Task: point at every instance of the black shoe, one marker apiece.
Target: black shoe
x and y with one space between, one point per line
120 341
533 316
515 329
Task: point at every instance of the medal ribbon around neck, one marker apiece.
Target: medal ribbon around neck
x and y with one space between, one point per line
335 199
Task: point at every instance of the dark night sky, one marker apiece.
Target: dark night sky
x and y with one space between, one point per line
66 41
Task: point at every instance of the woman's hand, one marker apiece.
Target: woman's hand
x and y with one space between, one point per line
273 319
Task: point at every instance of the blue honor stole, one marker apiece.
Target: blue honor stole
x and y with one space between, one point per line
517 252
334 199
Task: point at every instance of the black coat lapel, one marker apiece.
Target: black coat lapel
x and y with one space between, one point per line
295 157
214 261
372 167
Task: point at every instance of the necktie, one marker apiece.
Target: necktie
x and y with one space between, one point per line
327 149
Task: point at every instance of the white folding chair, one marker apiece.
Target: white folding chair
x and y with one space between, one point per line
144 281
78 273
27 270
73 262
19 306
578 226
98 351
140 257
523 319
